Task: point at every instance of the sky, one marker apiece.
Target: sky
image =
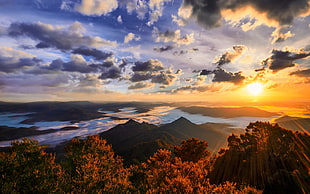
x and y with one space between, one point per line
154 50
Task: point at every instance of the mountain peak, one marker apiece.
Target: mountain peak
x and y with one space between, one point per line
182 120
131 122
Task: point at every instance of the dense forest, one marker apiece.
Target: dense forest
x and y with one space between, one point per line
264 159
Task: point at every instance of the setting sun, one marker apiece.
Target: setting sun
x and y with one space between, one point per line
255 89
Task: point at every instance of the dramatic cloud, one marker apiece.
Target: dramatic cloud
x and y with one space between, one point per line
165 78
140 85
112 73
276 13
137 77
210 12
154 71
173 36
13 60
206 72
60 38
229 56
96 7
150 65
78 64
281 34
97 54
283 59
163 49
221 75
131 36
302 73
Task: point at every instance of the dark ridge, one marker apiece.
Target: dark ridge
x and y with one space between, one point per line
227 112
138 141
11 133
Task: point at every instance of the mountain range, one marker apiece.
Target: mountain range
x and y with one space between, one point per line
138 141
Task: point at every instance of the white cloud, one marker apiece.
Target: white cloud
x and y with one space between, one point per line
119 19
131 36
96 7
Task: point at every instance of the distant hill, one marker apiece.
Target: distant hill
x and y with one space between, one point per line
74 111
294 123
138 141
12 133
227 112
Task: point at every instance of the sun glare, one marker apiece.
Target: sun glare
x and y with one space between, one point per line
255 89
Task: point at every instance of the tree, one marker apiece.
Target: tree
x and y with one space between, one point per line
27 168
262 156
92 167
166 174
192 150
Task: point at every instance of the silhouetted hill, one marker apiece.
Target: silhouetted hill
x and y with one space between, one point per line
294 123
138 141
227 112
184 129
125 135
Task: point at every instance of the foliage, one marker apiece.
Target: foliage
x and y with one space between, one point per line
92 167
192 150
268 157
28 169
163 173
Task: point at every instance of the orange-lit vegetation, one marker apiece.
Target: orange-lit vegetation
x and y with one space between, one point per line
266 158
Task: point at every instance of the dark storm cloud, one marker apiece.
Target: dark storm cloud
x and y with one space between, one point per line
97 54
164 78
136 77
78 64
55 65
209 12
49 36
150 65
106 64
112 73
205 72
283 59
163 49
71 66
11 64
221 75
302 73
